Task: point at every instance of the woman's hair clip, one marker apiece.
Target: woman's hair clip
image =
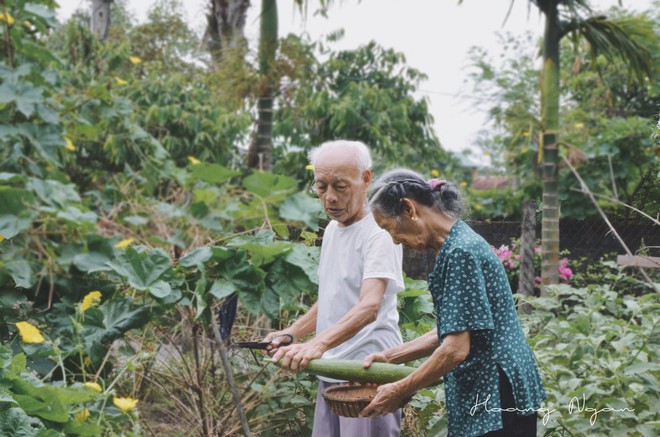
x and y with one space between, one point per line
435 184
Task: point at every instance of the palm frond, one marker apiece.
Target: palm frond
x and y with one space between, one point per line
573 6
618 39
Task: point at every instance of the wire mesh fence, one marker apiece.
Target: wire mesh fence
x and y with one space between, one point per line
590 238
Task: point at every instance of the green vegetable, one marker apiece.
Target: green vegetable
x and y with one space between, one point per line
352 370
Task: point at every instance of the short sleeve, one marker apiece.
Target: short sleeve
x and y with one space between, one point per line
464 305
383 259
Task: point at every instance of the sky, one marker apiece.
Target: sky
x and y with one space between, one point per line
434 35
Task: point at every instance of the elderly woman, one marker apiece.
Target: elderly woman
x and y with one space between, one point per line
492 383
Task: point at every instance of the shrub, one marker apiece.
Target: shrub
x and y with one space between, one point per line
510 257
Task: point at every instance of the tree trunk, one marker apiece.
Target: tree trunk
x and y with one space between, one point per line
101 18
527 242
260 154
550 130
225 26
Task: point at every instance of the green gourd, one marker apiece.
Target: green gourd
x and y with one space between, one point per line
354 371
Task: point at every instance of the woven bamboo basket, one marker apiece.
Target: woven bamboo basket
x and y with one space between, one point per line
349 399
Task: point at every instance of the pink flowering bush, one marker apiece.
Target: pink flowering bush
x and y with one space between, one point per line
510 257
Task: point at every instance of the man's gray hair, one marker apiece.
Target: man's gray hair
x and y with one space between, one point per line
360 150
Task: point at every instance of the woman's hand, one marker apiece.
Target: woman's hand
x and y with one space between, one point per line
389 398
379 357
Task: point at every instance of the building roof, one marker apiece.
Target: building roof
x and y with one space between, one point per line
490 182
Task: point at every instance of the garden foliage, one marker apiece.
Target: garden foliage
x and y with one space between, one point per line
127 218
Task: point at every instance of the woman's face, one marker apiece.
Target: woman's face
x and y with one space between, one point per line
403 230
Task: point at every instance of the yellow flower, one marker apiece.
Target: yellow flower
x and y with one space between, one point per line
29 333
477 206
2 237
123 244
579 125
69 145
134 60
525 134
124 404
88 362
435 173
309 167
193 160
82 416
120 81
7 18
92 299
463 184
93 386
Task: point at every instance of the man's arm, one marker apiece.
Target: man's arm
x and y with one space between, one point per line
298 329
296 357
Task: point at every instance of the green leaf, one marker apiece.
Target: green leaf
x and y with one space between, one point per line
307 258
412 292
196 258
136 220
24 94
270 186
8 299
43 12
108 322
6 399
257 302
91 262
261 245
160 289
18 364
144 271
245 278
11 178
40 400
222 288
21 272
300 207
14 422
86 428
5 356
74 215
54 193
288 281
637 368
13 201
46 407
11 225
211 173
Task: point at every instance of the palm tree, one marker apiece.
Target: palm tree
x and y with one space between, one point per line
225 24
260 154
612 38
101 18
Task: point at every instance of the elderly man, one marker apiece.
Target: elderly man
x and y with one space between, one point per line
359 276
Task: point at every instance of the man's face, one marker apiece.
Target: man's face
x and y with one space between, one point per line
341 187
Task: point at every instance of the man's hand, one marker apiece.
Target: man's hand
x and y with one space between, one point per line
296 357
389 398
278 338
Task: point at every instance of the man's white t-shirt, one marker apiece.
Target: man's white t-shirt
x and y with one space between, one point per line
349 255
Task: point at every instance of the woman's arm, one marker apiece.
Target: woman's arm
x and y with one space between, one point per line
413 350
454 349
